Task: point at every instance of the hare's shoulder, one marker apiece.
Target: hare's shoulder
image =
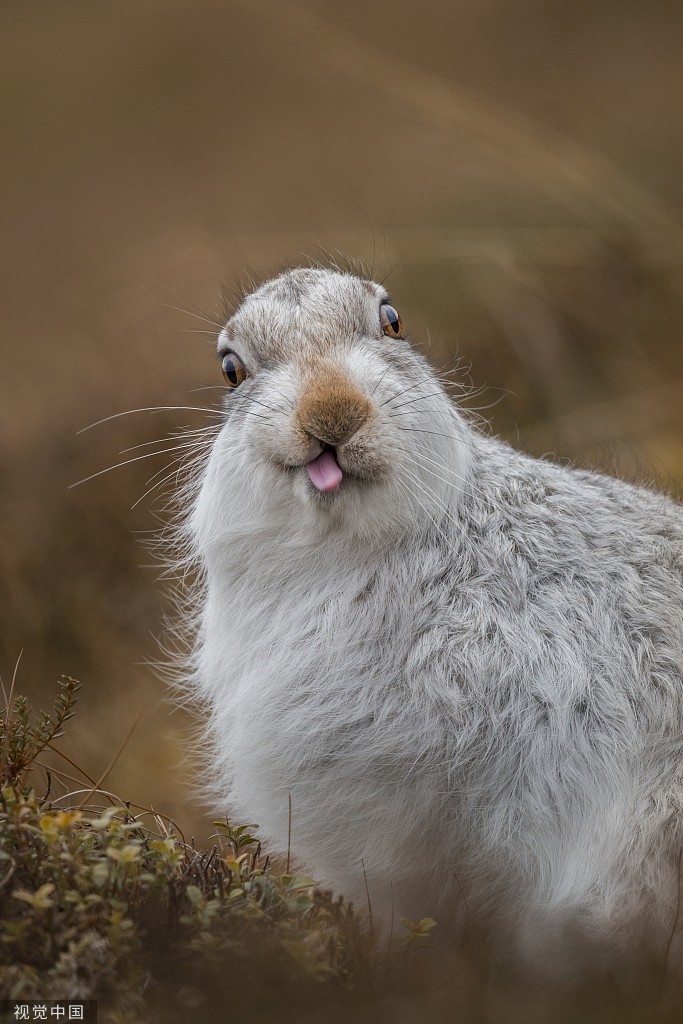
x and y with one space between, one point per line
521 488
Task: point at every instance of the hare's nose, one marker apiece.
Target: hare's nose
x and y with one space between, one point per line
332 409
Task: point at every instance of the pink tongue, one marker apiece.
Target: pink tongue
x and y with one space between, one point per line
324 472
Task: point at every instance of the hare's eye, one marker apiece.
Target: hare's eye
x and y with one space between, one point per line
390 321
233 369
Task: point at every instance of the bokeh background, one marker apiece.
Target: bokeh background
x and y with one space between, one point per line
514 167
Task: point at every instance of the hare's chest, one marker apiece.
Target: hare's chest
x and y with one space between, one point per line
317 662
304 643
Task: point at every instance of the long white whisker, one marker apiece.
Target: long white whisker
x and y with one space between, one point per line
418 458
467 482
119 465
179 465
457 440
415 497
189 312
483 408
194 330
442 505
184 435
152 408
159 483
185 446
175 462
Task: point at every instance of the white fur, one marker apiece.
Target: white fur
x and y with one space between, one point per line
465 668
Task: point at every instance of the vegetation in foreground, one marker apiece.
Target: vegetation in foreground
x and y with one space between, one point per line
97 902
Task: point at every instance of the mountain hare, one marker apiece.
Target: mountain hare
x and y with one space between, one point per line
463 665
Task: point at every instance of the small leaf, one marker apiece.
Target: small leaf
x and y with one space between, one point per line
125 854
61 821
300 882
194 895
105 819
40 899
100 874
425 925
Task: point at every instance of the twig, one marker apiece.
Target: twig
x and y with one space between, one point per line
673 927
289 828
8 713
114 759
367 893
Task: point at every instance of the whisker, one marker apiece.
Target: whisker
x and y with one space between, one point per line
186 446
414 458
174 462
159 483
475 392
179 435
199 316
380 381
152 409
415 497
483 408
437 433
179 464
404 391
456 439
398 415
171 295
119 465
420 398
251 398
442 506
259 416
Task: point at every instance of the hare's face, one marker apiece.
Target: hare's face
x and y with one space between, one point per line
332 420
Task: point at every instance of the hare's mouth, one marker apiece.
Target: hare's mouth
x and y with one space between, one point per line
324 471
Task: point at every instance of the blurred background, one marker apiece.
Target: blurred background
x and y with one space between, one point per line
514 167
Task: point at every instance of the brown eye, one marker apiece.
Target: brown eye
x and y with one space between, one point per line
390 321
233 369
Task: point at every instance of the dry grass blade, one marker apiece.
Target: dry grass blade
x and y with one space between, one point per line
114 759
8 715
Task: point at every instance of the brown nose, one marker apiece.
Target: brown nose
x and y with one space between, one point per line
332 409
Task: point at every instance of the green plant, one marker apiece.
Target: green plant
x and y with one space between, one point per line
99 902
22 741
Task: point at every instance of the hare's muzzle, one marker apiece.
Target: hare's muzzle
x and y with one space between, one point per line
331 408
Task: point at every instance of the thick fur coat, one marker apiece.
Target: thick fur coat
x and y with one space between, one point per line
464 665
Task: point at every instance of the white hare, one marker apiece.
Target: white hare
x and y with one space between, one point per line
464 665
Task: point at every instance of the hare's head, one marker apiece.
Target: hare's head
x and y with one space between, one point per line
332 421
